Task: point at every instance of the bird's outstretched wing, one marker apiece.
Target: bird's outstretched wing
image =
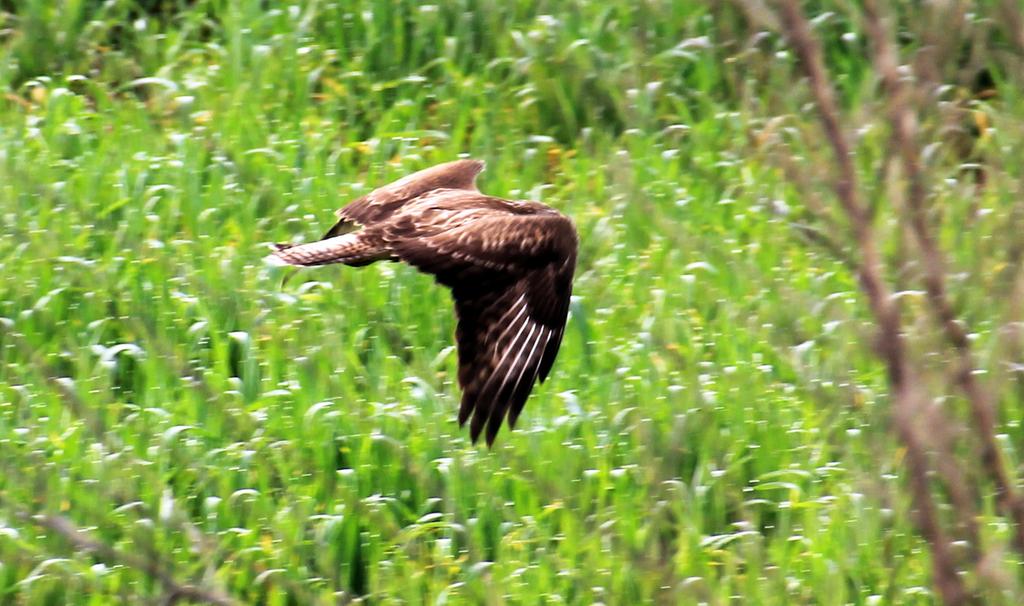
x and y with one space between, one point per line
505 344
511 278
382 202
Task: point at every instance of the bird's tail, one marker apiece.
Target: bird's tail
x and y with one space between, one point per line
350 249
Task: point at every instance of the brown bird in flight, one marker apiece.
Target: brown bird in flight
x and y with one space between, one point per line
508 263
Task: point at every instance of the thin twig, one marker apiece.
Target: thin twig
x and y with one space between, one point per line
1014 22
904 125
175 590
827 244
908 400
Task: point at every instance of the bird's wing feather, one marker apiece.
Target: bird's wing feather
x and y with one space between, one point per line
511 277
489 242
382 202
504 348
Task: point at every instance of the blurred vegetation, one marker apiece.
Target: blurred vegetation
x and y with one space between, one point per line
716 427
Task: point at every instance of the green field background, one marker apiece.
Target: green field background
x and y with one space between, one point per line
715 429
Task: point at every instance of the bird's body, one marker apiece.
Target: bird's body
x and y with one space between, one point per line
509 264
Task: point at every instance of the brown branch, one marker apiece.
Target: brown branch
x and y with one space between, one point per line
908 399
812 201
904 125
870 270
962 493
827 244
174 590
152 568
1013 21
944 572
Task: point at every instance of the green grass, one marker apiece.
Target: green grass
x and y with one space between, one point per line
715 429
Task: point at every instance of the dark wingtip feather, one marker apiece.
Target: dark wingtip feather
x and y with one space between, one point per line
465 409
513 416
494 424
476 426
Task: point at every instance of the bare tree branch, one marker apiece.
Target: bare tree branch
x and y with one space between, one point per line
80 540
175 591
908 398
904 125
1014 22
